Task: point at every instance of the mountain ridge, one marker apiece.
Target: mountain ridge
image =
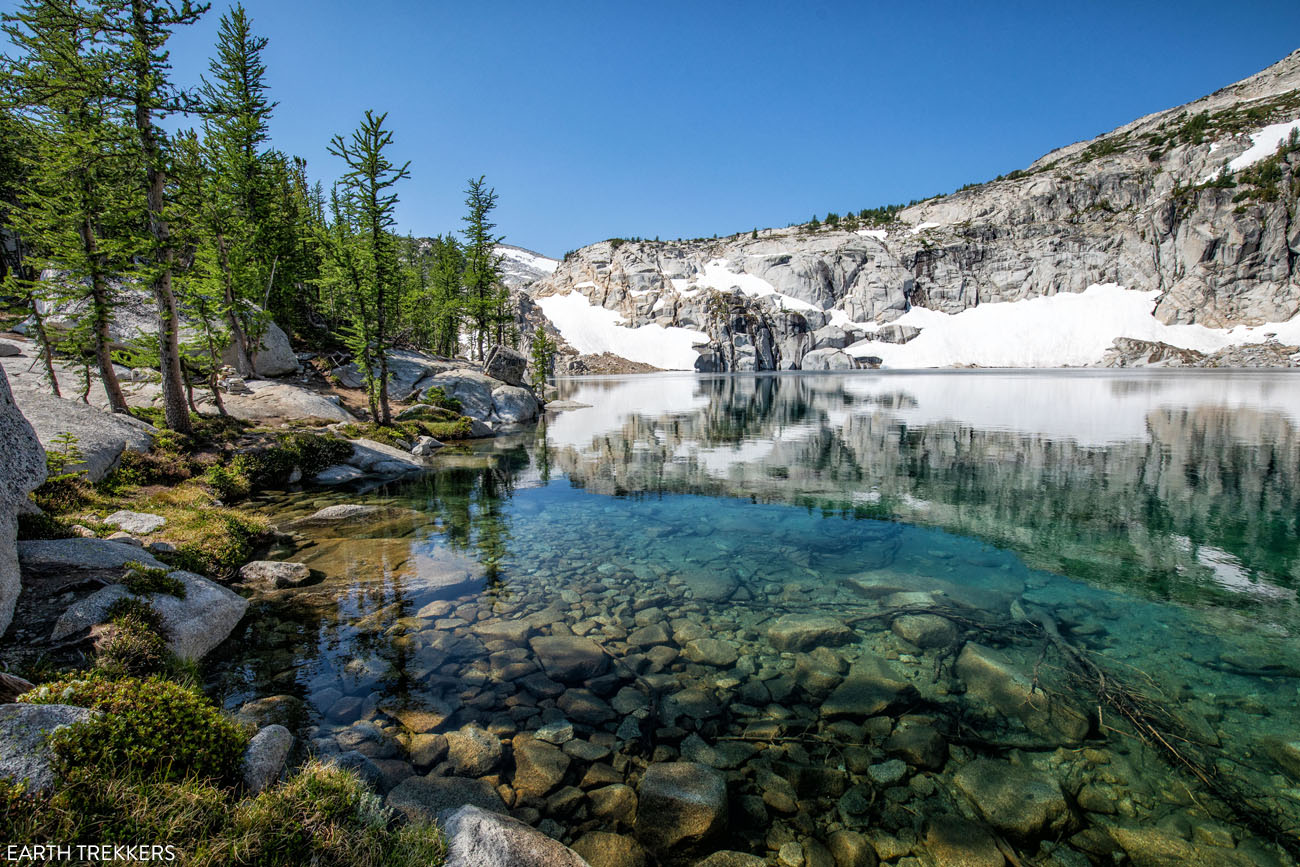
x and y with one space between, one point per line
1147 206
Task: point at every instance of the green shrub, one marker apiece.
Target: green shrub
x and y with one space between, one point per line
308 452
135 611
134 645
63 493
148 726
142 580
435 396
229 482
40 525
63 455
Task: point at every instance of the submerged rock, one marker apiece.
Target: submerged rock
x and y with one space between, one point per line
925 630
426 798
956 842
872 685
806 631
991 677
570 658
275 573
680 804
539 766
1014 799
472 751
342 513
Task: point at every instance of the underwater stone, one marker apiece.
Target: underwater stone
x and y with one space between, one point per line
539 766
871 686
680 804
712 651
605 849
956 842
806 631
1015 799
424 798
570 658
993 678
851 849
616 803
925 630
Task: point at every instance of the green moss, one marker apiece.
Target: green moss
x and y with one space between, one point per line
449 427
214 542
148 726
142 580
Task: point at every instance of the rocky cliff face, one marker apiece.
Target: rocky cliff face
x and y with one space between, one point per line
22 470
1197 204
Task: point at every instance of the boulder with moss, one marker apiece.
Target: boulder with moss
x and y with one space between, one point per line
194 623
25 753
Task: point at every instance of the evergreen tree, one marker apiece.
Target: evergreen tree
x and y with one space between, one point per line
138 30
543 358
370 177
235 135
202 283
78 207
482 277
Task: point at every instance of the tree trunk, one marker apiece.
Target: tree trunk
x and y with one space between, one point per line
175 411
100 310
43 340
243 353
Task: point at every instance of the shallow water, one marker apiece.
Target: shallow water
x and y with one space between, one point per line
1150 518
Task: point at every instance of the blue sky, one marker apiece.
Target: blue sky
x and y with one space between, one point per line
675 119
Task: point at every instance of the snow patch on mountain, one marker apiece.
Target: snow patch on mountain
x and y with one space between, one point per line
1063 330
1263 144
519 267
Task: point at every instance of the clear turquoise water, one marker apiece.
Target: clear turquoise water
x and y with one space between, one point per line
1154 517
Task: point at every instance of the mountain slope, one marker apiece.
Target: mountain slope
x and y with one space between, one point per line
1185 220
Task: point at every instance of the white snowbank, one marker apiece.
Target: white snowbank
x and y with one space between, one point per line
718 275
592 330
878 234
1063 330
921 227
529 259
1263 144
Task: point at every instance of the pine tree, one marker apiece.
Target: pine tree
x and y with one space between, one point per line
235 135
482 264
367 184
201 281
78 208
138 30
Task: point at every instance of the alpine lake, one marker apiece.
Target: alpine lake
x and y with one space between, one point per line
930 618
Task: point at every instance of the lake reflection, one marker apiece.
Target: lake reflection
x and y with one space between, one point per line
870 609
